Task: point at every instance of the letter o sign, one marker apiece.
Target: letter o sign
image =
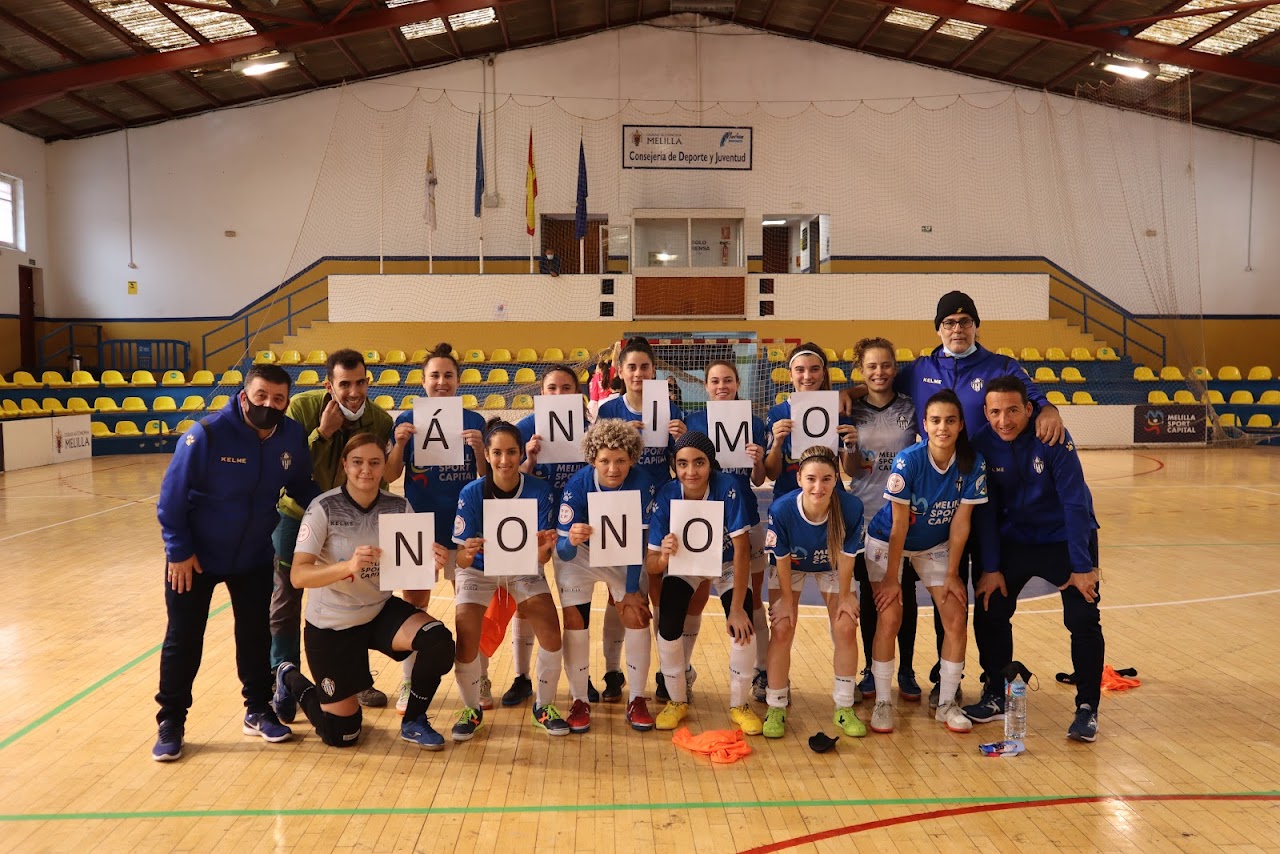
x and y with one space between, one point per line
688 534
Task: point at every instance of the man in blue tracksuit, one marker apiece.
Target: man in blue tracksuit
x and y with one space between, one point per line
1044 513
217 511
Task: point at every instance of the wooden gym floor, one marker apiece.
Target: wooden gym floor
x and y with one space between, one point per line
1189 762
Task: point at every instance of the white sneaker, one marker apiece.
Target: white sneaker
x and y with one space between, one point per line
951 715
486 694
882 717
402 699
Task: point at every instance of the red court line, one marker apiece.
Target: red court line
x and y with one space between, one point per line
852 829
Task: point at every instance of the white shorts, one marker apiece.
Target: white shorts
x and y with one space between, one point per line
759 559
828 582
577 580
472 587
930 564
719 586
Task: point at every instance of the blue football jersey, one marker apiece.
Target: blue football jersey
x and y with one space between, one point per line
787 480
573 505
469 521
555 474
933 495
722 487
654 461
697 421
435 489
792 534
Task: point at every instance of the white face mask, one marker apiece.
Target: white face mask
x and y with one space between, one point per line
354 416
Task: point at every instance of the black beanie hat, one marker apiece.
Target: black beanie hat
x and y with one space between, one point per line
699 442
956 302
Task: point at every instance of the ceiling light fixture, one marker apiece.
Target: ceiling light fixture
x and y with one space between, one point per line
773 222
256 66
1127 67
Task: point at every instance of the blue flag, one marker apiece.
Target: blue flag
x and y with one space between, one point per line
479 166
580 214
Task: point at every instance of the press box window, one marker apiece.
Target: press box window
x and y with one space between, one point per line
11 230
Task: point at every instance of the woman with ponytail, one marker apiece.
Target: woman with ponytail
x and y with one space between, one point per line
637 363
808 367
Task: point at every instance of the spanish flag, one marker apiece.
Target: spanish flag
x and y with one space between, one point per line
530 191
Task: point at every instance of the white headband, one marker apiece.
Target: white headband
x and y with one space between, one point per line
806 352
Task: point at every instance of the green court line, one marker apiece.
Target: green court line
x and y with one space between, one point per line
119 671
597 808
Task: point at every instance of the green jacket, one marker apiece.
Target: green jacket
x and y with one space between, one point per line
326 454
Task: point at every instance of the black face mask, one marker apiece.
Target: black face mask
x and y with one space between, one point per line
262 417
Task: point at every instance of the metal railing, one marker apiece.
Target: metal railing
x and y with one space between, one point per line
145 354
80 346
1098 312
239 333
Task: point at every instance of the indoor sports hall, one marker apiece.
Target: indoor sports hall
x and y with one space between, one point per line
191 191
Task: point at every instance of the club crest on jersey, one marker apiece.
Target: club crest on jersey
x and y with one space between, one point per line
459 525
191 440
770 538
286 460
566 514
304 532
903 422
1038 465
895 484
327 686
976 385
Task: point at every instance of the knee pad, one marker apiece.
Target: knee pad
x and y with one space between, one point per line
585 610
433 642
674 607
748 605
341 730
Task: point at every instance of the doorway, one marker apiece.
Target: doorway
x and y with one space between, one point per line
775 248
27 280
557 235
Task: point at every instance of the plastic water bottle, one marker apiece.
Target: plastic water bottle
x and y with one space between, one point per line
1015 709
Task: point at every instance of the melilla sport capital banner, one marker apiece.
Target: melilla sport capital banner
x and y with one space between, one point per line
682 147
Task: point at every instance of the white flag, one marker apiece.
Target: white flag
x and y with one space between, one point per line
430 213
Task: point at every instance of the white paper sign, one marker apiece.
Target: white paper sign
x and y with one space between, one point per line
510 536
558 419
656 413
438 440
814 418
617 538
699 530
408 560
729 423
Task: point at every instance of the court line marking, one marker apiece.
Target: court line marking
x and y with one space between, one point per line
129 502
964 804
1030 803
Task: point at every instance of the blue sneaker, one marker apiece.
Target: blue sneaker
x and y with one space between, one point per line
908 687
867 685
168 746
282 700
1085 726
760 686
418 731
266 726
989 708
468 722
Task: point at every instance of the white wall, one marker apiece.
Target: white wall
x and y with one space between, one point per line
477 299
887 296
23 156
258 170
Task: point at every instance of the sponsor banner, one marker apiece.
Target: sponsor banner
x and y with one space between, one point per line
681 147
1168 423
72 438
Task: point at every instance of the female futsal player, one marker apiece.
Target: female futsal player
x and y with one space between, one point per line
814 531
808 366
931 492
348 615
637 364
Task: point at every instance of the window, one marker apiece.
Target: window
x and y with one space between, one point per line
11 230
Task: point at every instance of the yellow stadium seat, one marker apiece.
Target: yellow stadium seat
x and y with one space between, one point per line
53 379
133 404
469 402
1045 375
1230 373
1227 419
1143 374
1071 374
1270 397
290 357
264 357
389 376
184 425
526 354
847 355
1031 354
1083 398
143 379
99 430
114 379
525 376
553 354
192 403
106 404
156 428
4 383
219 402
368 376
172 378
396 357
407 402
1259 420
202 378
498 376
905 355
830 354
579 354
1213 397
1242 397
473 356
776 354
385 401
414 377
1081 354
127 428
1055 354
470 376
53 406
584 376
418 357
780 375
308 377
781 396
836 375
78 406
495 401
372 357
1158 397
1057 398
1172 374
856 376
522 401
231 378
1200 373
316 357
10 408
1184 396
1106 354
164 403
1006 351
1259 373
83 379
500 355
